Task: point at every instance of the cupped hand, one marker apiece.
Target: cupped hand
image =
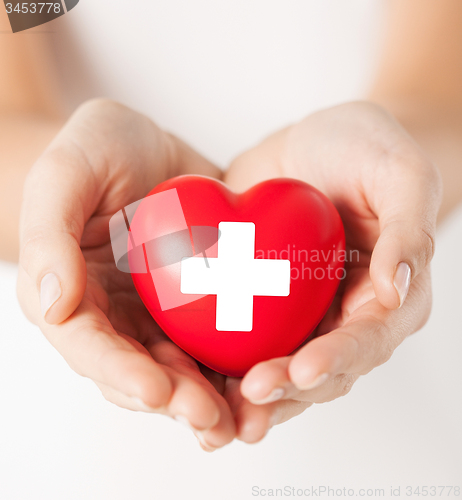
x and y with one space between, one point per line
388 194
106 157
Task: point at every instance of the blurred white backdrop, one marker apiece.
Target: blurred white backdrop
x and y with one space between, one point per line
222 76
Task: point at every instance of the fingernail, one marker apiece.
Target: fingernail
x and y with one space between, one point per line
142 405
402 280
274 395
319 380
205 446
50 291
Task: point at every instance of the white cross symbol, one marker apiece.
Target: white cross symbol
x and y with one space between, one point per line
235 276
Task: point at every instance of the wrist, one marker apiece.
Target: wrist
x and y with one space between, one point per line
437 128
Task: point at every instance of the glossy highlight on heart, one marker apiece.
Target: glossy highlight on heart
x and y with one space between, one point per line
235 279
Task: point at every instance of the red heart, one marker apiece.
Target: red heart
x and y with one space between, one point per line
292 221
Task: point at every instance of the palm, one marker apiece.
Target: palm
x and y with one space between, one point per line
114 295
360 158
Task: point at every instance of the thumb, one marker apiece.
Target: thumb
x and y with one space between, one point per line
407 209
51 226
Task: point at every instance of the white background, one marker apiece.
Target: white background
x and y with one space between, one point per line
223 75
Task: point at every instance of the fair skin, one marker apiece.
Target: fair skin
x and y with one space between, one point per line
385 187
360 157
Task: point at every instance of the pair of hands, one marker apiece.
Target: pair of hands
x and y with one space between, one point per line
108 156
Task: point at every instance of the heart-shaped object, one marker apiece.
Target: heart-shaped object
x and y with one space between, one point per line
235 279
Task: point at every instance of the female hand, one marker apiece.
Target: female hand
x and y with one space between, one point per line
388 195
106 157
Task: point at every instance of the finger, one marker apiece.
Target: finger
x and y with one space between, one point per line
123 401
282 411
251 425
72 179
274 375
191 403
407 197
180 390
195 401
93 349
357 346
328 389
68 183
365 341
253 422
267 382
223 432
59 196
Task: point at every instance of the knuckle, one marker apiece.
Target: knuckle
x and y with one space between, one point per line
425 317
35 251
419 240
346 385
422 246
32 249
427 245
379 345
289 409
385 353
82 334
341 385
421 292
435 180
385 339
